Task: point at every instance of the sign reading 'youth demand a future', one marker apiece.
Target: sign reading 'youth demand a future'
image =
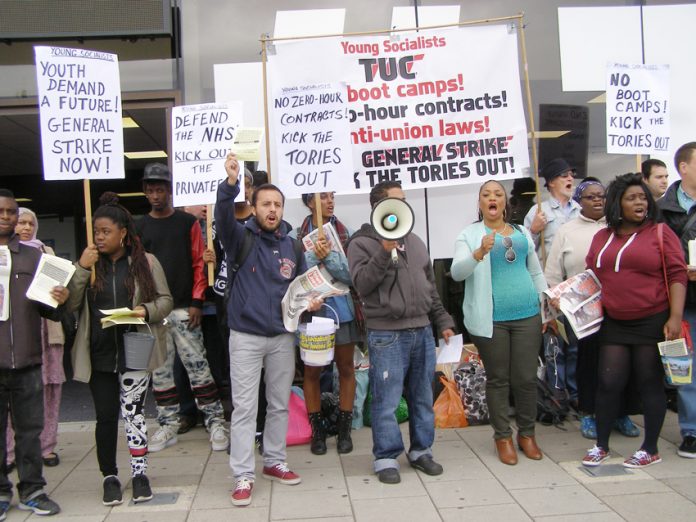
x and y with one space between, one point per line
80 110
428 109
201 138
637 108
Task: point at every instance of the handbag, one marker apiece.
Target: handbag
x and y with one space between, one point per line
685 327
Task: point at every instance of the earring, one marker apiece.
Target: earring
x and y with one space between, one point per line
121 242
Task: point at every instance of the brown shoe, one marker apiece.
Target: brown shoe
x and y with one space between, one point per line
506 451
529 447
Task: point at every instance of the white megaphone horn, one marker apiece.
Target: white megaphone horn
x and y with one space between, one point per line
392 219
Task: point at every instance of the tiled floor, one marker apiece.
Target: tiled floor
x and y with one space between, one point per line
193 484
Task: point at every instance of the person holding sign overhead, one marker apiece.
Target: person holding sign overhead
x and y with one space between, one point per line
257 334
333 258
503 279
126 277
21 384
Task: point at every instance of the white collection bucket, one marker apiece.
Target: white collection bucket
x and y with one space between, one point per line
317 340
138 349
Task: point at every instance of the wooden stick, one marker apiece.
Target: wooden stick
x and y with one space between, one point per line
88 220
317 214
530 111
264 38
209 237
639 160
264 59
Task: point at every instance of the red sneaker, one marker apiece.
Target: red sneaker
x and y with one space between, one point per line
595 457
282 474
642 459
241 496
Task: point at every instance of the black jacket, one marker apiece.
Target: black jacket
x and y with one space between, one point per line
674 216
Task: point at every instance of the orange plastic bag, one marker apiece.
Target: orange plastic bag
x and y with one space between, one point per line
448 408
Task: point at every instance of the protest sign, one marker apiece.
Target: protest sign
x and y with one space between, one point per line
433 108
201 138
80 110
637 108
313 148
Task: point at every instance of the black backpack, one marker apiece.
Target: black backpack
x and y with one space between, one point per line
550 410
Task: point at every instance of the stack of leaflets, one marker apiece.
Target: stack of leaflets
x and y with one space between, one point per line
331 238
119 316
580 299
677 361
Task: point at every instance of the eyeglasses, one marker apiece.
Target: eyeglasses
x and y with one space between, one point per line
510 255
594 197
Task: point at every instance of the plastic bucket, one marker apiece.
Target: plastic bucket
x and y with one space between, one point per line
317 347
677 369
138 349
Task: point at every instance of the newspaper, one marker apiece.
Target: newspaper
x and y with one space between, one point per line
331 237
314 283
5 272
52 271
580 299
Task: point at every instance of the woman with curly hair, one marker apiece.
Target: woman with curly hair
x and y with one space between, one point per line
126 276
643 281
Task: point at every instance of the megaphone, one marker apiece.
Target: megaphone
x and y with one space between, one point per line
392 219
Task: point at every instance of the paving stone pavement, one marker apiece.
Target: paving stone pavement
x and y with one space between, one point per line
193 484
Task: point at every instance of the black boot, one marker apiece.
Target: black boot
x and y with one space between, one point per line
318 445
344 443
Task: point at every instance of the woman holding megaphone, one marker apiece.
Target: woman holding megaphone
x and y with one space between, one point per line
501 313
333 259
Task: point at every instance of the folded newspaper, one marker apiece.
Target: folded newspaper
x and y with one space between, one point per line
580 299
331 237
314 283
52 271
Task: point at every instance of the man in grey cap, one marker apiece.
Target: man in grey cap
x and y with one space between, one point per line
175 238
558 209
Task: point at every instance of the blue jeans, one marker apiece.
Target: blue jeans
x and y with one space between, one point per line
686 394
401 362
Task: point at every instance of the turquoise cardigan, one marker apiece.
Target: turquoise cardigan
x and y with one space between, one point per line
478 291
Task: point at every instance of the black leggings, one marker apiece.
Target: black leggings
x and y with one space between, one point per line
618 362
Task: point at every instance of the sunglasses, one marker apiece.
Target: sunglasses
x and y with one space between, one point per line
510 255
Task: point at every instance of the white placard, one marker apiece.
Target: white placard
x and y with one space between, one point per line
313 148
637 108
201 138
422 112
80 109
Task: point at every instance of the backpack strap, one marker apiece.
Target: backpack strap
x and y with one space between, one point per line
242 254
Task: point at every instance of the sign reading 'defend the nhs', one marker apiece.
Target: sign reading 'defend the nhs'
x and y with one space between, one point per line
80 108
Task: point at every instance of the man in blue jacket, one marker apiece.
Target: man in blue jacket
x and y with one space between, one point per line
257 334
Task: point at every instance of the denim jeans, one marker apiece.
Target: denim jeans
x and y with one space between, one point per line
401 361
686 394
21 391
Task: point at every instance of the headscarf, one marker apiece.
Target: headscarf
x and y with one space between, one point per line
33 241
577 196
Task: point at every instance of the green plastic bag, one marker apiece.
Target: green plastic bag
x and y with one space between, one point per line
401 411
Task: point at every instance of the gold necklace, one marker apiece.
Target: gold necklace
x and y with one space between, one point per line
499 231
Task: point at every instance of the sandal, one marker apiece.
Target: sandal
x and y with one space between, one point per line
51 460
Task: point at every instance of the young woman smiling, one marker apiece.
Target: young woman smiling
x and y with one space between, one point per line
501 313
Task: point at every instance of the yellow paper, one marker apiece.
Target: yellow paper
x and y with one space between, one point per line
119 316
247 144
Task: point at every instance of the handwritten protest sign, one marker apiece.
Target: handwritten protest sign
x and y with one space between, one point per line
201 138
313 147
637 108
80 111
433 108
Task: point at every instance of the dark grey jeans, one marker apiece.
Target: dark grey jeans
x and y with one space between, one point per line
21 391
510 360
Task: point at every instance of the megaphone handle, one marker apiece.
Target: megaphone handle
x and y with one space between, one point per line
395 256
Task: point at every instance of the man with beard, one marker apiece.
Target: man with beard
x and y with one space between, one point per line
558 209
258 337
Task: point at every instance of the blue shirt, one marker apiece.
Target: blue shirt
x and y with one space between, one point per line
685 201
514 294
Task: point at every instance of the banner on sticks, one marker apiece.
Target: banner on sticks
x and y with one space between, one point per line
201 138
637 108
80 111
428 109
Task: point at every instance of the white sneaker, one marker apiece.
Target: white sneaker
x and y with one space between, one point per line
164 437
219 437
